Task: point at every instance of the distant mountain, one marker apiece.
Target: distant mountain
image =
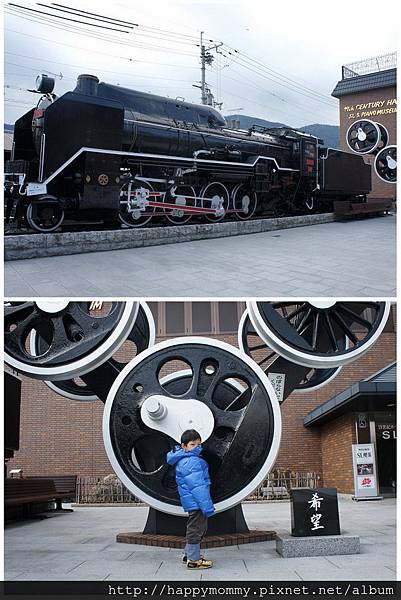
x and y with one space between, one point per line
8 128
330 134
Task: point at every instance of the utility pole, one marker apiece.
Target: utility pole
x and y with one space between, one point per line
203 70
206 59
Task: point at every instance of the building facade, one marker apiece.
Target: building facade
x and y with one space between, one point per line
367 90
62 436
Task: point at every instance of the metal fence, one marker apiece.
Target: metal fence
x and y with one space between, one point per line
370 65
110 490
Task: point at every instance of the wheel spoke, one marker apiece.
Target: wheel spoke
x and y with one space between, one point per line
315 330
330 330
304 320
296 312
345 327
355 316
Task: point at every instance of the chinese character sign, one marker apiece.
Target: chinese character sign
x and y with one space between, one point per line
315 505
314 512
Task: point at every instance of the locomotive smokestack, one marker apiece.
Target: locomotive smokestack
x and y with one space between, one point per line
87 84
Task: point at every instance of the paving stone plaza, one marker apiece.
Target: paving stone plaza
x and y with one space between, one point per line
81 546
351 258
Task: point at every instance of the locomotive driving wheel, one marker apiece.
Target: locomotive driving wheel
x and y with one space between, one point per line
215 196
45 215
134 210
75 339
364 136
141 336
386 164
184 196
319 334
244 201
225 396
252 344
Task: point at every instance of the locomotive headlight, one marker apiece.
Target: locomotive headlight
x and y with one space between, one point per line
45 84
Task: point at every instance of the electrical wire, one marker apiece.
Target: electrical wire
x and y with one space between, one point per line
80 31
241 59
91 68
132 60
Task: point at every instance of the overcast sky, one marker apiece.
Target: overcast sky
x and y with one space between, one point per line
305 41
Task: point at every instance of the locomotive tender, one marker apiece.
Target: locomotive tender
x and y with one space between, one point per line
112 153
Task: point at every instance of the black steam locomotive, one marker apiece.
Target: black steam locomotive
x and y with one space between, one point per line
111 153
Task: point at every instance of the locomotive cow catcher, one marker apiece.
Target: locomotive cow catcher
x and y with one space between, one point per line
118 155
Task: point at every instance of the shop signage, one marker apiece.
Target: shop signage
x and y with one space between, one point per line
278 380
362 420
367 110
365 474
387 431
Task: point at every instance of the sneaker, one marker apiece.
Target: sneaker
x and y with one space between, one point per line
199 564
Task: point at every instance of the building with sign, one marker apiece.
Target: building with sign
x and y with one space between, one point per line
358 406
367 93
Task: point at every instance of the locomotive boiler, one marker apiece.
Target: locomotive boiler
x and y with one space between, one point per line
111 153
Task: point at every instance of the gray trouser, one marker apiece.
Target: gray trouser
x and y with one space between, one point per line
196 529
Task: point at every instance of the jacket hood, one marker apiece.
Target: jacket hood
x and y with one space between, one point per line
178 453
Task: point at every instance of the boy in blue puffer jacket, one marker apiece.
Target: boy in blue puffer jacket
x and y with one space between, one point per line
192 476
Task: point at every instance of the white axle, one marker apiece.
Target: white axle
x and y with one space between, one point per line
173 416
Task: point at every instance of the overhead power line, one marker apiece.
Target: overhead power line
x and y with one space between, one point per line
66 18
77 20
132 60
98 35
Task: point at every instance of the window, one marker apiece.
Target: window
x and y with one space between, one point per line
201 317
175 318
154 309
228 317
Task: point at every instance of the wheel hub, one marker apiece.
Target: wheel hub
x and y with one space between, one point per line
51 306
173 417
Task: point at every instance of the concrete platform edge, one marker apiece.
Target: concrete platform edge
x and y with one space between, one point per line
60 244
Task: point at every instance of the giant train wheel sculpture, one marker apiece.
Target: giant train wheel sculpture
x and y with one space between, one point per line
141 336
75 337
322 334
366 137
144 417
253 345
222 392
386 164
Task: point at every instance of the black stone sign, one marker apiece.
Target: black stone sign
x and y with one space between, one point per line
314 512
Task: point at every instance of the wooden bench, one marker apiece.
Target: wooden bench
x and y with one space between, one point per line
65 485
26 492
353 209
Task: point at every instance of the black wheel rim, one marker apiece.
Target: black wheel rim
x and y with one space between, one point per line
264 356
244 202
67 335
187 192
318 331
140 335
138 218
212 191
243 433
363 129
386 164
